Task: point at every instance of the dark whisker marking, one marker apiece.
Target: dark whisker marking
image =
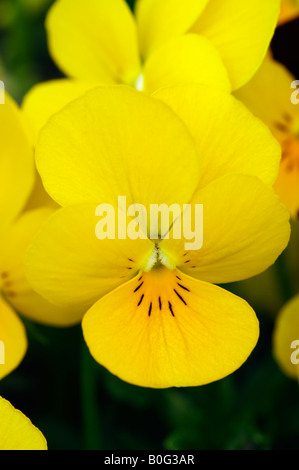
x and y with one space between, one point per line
183 287
140 278
4 275
287 117
129 268
180 297
129 259
280 126
141 299
160 303
178 278
150 309
137 288
170 308
188 261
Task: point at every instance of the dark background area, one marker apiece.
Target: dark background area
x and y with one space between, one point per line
75 402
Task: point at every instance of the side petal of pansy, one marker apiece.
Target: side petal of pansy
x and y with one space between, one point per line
245 228
133 145
159 21
268 96
286 338
187 59
17 431
241 32
230 140
70 266
94 40
165 329
13 338
15 286
16 162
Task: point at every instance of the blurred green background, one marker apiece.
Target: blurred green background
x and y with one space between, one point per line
76 403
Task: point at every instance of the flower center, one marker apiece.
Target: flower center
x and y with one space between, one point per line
158 259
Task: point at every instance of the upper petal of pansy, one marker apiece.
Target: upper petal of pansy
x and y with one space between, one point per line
158 21
229 138
241 31
164 329
17 290
16 163
94 40
286 338
12 336
70 266
46 99
245 228
115 141
186 59
17 431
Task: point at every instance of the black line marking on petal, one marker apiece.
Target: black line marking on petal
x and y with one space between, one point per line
178 278
141 299
137 288
140 278
150 309
183 287
170 308
160 303
180 297
129 259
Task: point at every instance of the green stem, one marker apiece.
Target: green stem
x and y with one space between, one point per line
90 411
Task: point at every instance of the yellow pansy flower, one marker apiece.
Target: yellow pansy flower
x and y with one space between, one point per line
17 229
289 11
155 317
286 338
17 431
166 42
268 95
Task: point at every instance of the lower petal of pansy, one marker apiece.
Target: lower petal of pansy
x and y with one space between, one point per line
245 228
69 266
13 339
17 431
165 329
187 59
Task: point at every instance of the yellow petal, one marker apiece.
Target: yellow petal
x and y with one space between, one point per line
165 329
45 99
94 40
15 286
287 184
159 21
241 32
16 163
228 137
286 338
268 95
17 431
186 59
245 229
13 338
70 266
289 10
132 145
